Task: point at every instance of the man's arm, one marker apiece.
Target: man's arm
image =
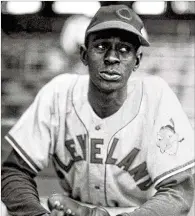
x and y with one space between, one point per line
18 188
174 197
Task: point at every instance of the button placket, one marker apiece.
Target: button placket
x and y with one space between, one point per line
97 127
97 187
98 192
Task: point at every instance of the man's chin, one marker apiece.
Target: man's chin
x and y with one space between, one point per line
108 87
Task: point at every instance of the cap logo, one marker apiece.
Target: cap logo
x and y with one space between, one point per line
124 13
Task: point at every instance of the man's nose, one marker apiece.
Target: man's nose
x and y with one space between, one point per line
111 57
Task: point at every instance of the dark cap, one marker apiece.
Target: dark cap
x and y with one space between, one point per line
117 17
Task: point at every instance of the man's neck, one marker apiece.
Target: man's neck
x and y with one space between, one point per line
105 104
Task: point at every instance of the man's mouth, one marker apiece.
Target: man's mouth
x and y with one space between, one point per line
110 75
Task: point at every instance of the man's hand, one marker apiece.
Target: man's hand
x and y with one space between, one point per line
56 212
60 205
94 212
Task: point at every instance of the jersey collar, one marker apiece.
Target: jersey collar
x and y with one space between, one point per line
121 118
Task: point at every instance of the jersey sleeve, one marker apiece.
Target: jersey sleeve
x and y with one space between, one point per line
32 135
171 149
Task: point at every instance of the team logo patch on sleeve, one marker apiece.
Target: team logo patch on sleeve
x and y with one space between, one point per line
167 139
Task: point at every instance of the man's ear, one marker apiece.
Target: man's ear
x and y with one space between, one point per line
83 55
139 55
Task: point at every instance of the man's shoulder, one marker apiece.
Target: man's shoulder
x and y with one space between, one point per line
65 79
151 82
153 87
64 82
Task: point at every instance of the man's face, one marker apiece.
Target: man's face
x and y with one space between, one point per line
111 57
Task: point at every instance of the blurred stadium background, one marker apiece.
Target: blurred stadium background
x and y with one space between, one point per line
40 40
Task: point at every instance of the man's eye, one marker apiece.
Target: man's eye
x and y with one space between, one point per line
100 46
124 49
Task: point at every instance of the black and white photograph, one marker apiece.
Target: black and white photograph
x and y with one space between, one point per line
97 108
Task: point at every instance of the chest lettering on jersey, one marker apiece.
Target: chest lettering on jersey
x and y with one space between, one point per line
82 141
109 159
70 145
127 161
95 150
137 172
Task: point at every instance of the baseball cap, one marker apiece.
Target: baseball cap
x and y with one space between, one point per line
117 17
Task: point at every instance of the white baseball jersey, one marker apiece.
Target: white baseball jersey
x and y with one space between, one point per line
114 161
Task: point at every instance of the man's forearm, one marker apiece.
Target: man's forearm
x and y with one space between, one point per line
174 197
18 188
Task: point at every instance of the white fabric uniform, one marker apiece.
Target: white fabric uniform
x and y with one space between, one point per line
115 161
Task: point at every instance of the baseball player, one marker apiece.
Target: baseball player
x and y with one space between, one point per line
120 145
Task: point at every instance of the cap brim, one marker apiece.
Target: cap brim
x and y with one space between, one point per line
118 25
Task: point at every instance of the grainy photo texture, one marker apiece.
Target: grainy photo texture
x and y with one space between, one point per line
97 109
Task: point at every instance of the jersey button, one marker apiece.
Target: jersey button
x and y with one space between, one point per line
97 187
97 127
